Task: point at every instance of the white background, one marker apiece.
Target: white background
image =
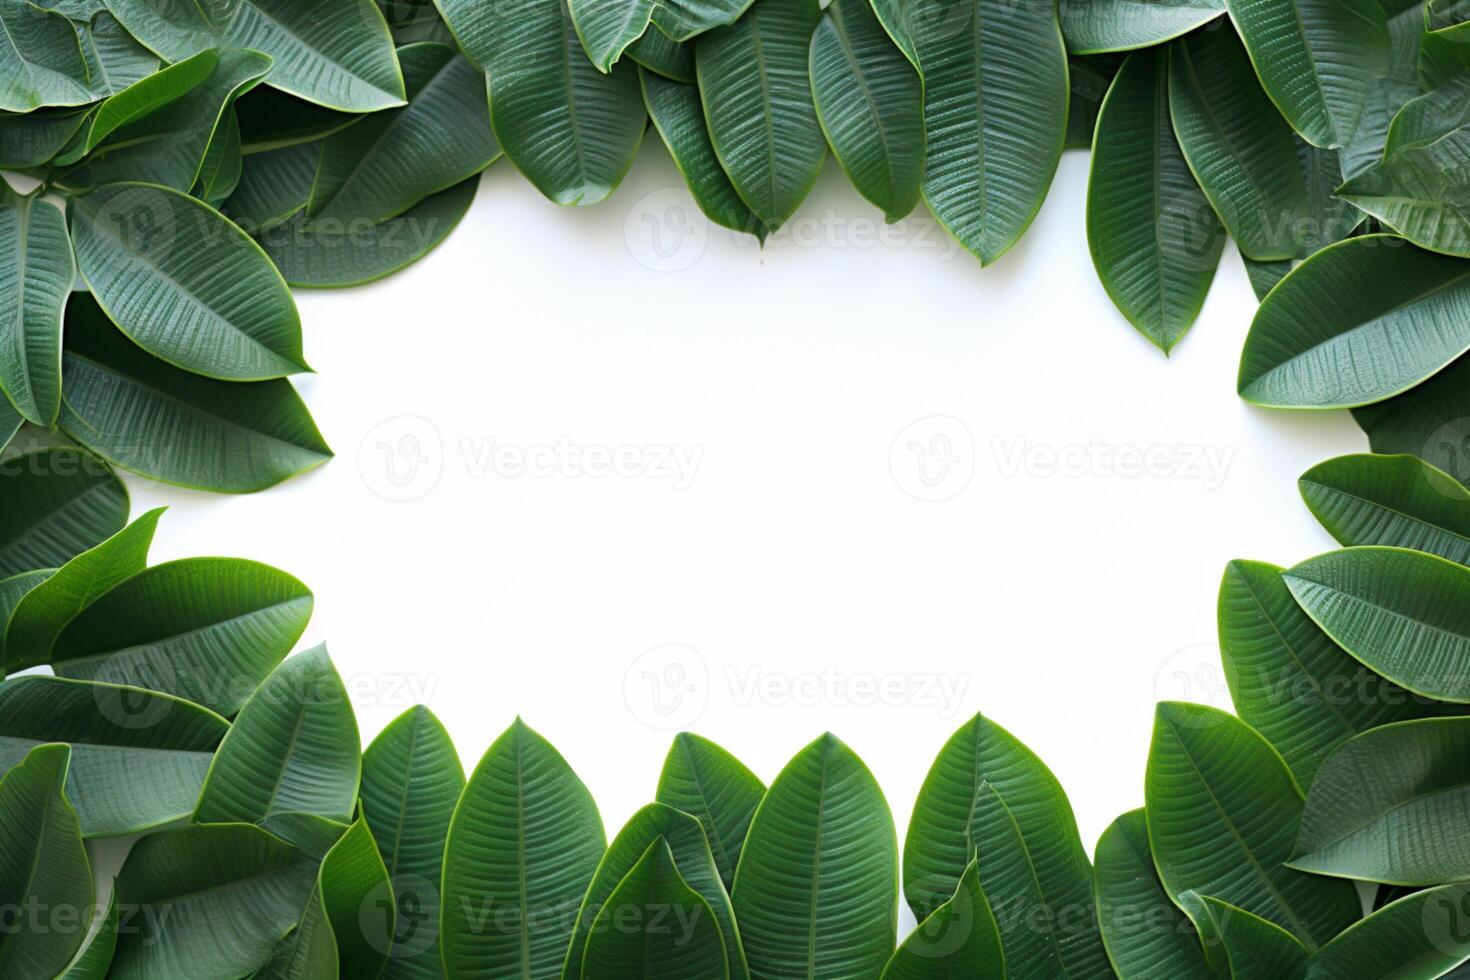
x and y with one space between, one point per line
1063 602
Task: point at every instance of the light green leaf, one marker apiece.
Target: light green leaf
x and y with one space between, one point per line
337 53
1399 501
54 505
959 938
41 61
140 100
817 887
1255 948
1404 614
570 129
36 275
1155 241
138 757
274 185
702 779
523 845
95 957
1430 420
205 629
43 866
411 781
1093 26
1358 322
1145 933
754 81
1418 937
390 161
147 416
185 284
1222 811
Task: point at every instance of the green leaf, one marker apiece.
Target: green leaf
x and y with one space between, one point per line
139 100
995 111
1430 420
39 617
570 129
358 898
656 927
1240 149
271 119
205 629
1145 933
1222 812
36 275
41 61
1090 77
679 118
274 185
1418 937
390 161
147 416
755 83
702 779
1155 241
43 866
293 750
684 836
138 757
1255 948
219 174
95 956
959 938
870 103
330 253
220 898
1358 322
33 139
1442 55
1316 59
607 29
13 590
945 825
1289 681
1380 805
1388 91
1093 26
817 887
1404 614
167 143
185 284
672 59
1399 501
1265 275
336 53
114 58
523 845
54 505
10 422
683 19
411 781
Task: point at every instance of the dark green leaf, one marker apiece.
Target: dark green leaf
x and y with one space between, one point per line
271 119
31 140
36 275
704 780
54 505
1255 948
41 61
1430 420
959 939
669 58
274 185
1399 501
1093 26
1090 78
1418 937
95 957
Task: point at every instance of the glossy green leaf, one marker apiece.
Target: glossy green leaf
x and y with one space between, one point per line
1240 149
816 892
1399 501
220 897
274 185
1328 219
44 872
95 957
995 110
702 779
294 749
1092 26
664 56
1316 59
337 53
1358 322
870 103
390 161
350 921
1145 933
205 629
1390 806
54 505
755 83
411 781
1404 614
656 927
36 274
1418 937
1430 420
185 284
138 757
219 174
1255 948
147 416
41 61
114 58
945 826
1289 681
39 617
12 590
1222 811
570 129
607 27
684 836
959 939
139 100
683 19
330 253
33 139
523 845
1155 241
679 118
